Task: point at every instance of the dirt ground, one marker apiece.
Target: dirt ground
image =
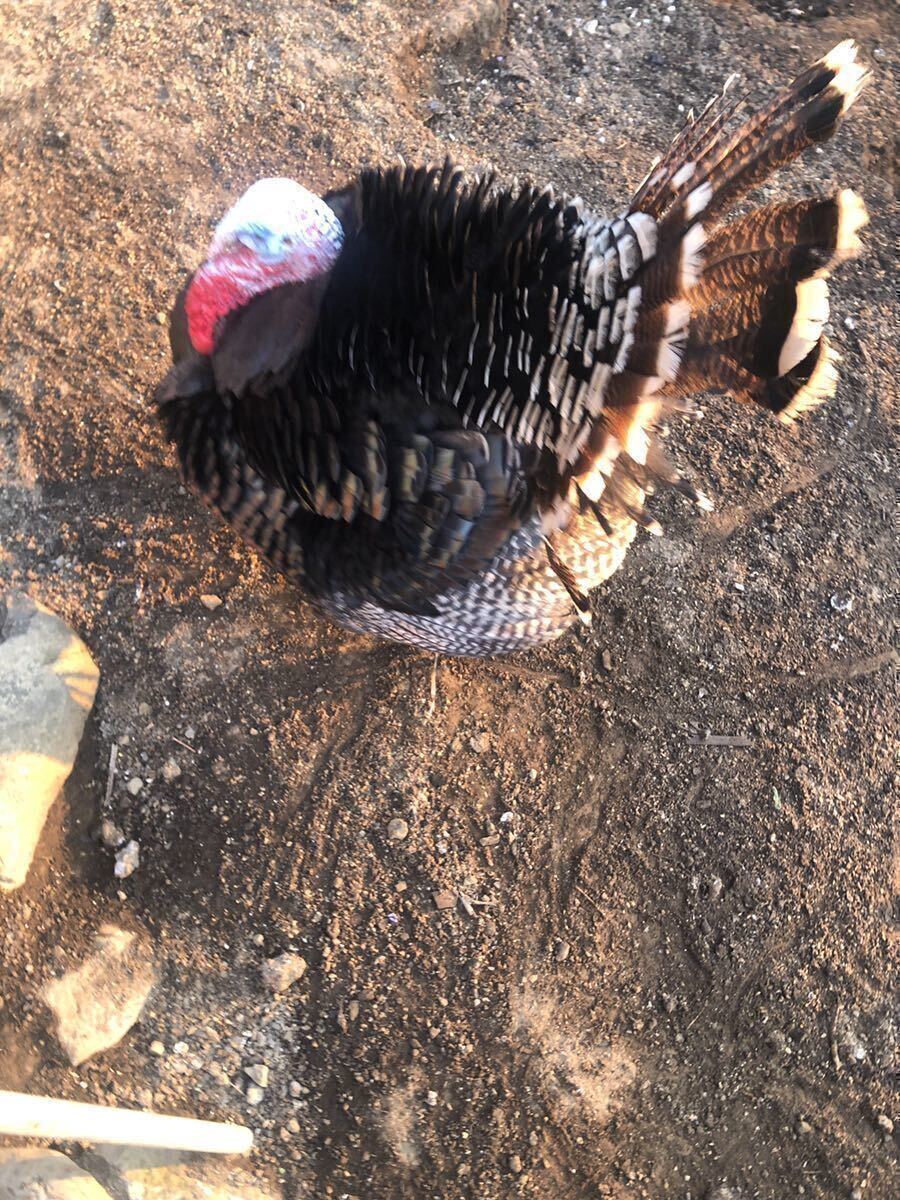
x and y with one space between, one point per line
672 973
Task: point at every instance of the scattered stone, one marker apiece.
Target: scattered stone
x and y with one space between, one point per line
111 835
491 839
397 829
170 770
259 1074
841 604
128 859
32 1173
804 1127
606 660
885 1123
591 26
293 1125
157 1048
295 1089
353 1010
715 887
563 950
444 900
134 785
211 602
96 1004
515 1164
48 682
281 972
620 29
254 1095
180 1048
431 1099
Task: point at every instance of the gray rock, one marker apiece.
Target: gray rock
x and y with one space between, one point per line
96 1004
48 682
31 1173
168 1175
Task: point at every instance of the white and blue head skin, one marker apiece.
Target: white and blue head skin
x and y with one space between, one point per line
277 233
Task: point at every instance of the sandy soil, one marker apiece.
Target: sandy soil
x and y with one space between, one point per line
678 975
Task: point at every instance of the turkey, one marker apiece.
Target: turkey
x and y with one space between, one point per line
432 400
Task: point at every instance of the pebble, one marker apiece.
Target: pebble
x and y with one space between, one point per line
444 900
211 602
293 1125
606 660
841 604
128 859
397 829
157 1048
885 1123
563 950
135 785
515 1164
295 1089
111 835
170 770
804 1127
620 28
259 1074
715 887
591 26
431 1099
254 1095
281 972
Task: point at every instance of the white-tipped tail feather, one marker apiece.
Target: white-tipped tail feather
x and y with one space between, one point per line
820 386
806 327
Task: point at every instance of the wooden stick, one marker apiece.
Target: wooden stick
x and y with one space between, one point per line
68 1120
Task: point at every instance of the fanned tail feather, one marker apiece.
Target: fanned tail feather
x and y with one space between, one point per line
736 306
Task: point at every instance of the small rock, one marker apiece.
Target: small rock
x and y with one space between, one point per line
170 770
33 1173
259 1074
280 972
606 660
591 26
128 859
157 1048
180 1048
397 829
620 29
111 835
563 950
353 1010
515 1164
96 1004
211 602
885 1123
295 1089
48 682
254 1095
134 786
841 604
444 900
431 1099
804 1127
715 887
293 1125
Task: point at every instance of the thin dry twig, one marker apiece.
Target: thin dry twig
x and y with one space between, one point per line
111 773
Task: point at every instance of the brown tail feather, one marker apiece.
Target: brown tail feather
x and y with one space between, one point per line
756 285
